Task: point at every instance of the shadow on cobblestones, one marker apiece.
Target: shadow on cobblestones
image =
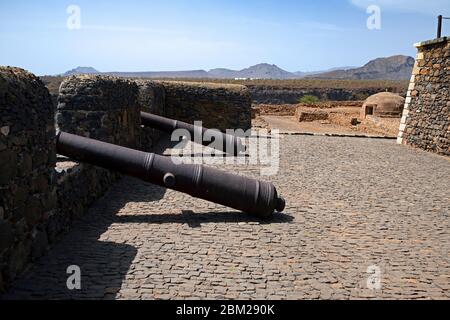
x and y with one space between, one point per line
194 220
104 264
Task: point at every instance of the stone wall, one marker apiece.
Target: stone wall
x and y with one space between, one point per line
279 95
426 116
219 106
102 108
27 161
152 99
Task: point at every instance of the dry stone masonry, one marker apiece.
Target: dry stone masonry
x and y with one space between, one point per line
152 99
426 116
219 106
27 161
102 108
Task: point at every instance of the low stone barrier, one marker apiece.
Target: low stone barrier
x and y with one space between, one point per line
309 116
219 106
101 108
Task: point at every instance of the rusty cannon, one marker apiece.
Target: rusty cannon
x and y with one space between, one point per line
227 143
258 198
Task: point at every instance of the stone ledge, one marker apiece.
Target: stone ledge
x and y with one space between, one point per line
431 42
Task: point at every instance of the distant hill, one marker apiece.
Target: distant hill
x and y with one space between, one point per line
222 73
81 70
392 68
266 71
259 71
310 73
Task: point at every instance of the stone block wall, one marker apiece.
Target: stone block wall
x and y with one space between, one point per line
151 99
426 115
219 106
101 108
27 161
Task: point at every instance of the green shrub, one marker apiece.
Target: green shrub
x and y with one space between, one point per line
309 99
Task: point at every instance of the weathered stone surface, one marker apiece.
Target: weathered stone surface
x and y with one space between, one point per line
2 287
308 116
33 211
102 108
20 256
152 96
27 159
6 235
40 244
8 164
218 106
152 99
427 124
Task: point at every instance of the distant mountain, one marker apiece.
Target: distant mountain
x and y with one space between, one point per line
310 73
265 71
259 71
392 68
81 70
222 73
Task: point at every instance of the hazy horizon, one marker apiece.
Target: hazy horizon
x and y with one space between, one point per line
175 35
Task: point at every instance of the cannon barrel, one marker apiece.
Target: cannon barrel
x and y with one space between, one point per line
258 198
228 143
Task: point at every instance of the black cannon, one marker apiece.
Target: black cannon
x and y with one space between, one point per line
228 143
252 196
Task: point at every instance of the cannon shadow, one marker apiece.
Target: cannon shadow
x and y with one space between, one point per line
196 219
103 263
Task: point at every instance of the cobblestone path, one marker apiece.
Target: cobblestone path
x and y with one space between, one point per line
353 206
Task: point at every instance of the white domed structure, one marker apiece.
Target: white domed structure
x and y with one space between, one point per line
384 104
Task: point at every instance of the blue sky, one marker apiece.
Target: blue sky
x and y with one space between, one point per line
149 35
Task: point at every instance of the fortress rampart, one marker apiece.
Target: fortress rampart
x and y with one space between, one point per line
41 194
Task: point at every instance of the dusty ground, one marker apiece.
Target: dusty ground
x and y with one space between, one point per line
340 115
290 124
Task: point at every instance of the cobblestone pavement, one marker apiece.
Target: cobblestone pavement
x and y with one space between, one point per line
351 204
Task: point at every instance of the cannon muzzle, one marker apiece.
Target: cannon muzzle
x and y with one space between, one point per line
258 198
227 143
